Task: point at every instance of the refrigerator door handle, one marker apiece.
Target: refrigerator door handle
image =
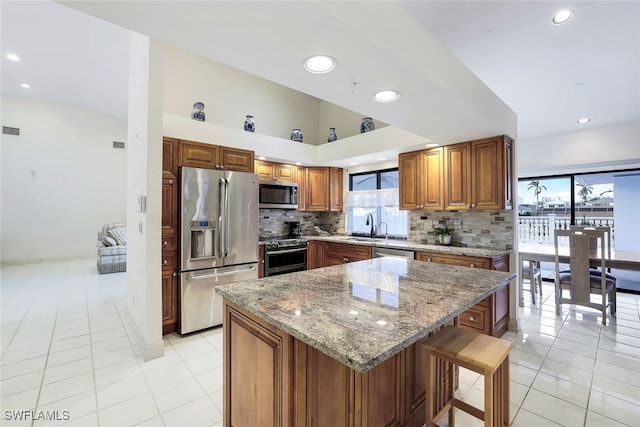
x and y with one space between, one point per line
221 216
226 217
227 273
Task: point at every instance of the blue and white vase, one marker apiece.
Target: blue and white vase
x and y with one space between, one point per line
367 125
332 135
296 135
198 111
249 125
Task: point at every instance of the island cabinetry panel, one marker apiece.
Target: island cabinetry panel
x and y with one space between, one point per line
258 382
491 315
201 155
478 174
271 171
342 253
323 189
421 179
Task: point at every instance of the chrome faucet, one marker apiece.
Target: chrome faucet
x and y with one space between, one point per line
372 232
386 229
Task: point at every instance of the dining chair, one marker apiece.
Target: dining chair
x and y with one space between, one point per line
532 272
579 281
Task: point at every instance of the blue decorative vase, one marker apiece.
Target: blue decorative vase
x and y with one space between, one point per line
198 112
249 125
296 135
367 125
332 135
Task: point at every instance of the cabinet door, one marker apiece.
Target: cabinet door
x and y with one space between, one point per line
261 261
235 159
301 174
409 186
264 170
169 206
431 183
317 189
285 173
457 177
198 155
336 188
315 254
487 178
169 301
382 393
508 171
169 157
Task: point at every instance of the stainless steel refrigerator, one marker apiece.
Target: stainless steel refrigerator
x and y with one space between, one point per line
219 245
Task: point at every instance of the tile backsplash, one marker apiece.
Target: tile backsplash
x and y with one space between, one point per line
274 222
484 229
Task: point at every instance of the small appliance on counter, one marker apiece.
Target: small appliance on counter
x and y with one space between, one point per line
294 229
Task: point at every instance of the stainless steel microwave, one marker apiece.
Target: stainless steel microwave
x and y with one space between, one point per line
278 195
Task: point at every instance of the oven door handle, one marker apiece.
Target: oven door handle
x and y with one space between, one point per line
286 251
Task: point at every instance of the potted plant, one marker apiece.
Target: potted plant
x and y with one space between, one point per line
442 234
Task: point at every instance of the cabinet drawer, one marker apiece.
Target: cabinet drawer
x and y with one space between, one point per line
461 260
169 259
348 251
169 242
476 319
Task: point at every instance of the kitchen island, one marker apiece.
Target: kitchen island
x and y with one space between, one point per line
340 345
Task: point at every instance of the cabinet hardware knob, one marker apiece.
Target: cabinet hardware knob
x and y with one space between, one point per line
473 205
472 265
468 205
165 261
174 274
170 181
165 243
472 318
428 259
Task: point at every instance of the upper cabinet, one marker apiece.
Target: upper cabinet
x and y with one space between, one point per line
270 171
301 173
209 156
478 174
323 189
421 184
469 175
169 157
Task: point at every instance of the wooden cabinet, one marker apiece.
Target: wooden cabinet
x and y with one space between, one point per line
323 189
315 254
421 179
491 315
251 342
301 174
478 174
342 253
260 261
169 234
270 171
209 156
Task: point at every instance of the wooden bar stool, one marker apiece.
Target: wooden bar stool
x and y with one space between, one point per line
483 354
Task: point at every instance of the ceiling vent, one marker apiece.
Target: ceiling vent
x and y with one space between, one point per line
6 130
118 144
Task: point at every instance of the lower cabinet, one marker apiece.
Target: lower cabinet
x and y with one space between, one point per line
260 261
342 253
491 315
169 301
273 379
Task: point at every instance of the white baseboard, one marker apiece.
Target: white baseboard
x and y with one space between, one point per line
147 351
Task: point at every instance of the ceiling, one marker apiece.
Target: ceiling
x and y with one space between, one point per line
548 75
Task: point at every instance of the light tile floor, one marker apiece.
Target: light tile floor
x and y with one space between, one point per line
65 347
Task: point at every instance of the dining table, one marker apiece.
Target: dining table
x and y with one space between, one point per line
541 252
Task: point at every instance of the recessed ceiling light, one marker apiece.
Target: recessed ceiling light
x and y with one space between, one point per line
583 120
319 64
353 163
13 57
26 85
262 158
386 95
298 163
562 16
432 144
383 158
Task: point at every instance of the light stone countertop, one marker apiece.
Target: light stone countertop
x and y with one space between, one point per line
365 312
413 246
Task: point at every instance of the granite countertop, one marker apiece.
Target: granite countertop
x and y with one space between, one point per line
365 312
413 246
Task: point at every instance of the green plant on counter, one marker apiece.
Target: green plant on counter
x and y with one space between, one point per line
441 231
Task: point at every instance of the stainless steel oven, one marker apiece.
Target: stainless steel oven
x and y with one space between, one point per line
284 256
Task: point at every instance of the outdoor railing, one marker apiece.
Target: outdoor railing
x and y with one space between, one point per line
541 229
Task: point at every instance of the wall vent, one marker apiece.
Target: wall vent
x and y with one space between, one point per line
118 144
6 130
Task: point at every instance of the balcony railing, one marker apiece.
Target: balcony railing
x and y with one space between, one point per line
541 228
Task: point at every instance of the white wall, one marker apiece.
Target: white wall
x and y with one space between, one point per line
346 122
62 180
592 149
